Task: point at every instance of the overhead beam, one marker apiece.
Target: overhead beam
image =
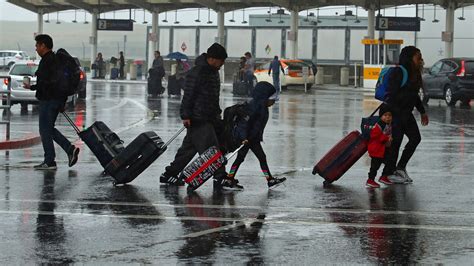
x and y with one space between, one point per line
24 5
208 3
141 4
80 4
283 3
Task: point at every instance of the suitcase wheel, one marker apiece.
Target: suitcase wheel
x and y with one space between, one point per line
326 183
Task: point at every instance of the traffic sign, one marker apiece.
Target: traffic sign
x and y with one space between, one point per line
397 23
115 24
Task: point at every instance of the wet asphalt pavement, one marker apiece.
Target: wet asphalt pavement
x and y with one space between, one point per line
75 215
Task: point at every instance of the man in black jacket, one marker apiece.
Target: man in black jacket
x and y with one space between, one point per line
200 112
51 102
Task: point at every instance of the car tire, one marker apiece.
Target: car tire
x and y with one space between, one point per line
448 96
423 96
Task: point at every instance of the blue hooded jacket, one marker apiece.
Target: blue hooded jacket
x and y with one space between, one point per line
258 110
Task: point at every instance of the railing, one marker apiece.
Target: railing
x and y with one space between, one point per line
6 105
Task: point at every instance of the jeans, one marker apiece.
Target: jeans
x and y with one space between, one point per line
198 139
276 82
48 113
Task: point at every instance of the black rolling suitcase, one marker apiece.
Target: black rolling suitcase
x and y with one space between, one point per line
174 87
137 156
102 141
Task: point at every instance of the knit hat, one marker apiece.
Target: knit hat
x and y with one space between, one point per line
384 109
217 51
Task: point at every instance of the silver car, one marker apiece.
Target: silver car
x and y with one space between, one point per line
19 94
10 57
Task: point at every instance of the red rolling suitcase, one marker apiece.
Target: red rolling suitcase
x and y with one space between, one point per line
341 157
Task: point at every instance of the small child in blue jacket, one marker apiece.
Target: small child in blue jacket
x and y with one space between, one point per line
257 109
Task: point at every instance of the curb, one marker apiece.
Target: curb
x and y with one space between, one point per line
20 143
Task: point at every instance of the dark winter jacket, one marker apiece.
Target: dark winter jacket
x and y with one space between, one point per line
379 136
201 93
402 100
45 87
258 111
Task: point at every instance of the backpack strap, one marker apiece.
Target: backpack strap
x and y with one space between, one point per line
405 75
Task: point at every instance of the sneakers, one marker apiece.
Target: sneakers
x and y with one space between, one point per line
46 166
403 173
396 179
231 184
72 155
384 180
275 182
371 183
171 180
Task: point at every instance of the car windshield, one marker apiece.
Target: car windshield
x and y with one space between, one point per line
296 65
24 70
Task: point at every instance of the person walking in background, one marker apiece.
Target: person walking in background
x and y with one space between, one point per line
249 69
379 142
402 100
159 68
274 68
121 66
99 66
200 113
51 102
250 133
242 68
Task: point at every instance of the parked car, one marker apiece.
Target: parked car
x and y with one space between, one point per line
10 57
451 79
292 75
18 93
83 83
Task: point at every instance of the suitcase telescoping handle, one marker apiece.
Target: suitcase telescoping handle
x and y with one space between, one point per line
174 137
71 122
375 111
228 157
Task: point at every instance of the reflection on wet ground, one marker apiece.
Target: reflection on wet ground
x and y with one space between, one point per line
76 215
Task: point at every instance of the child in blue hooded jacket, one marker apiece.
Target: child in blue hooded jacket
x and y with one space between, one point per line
257 110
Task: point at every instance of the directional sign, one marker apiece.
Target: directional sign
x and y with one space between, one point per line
397 23
115 24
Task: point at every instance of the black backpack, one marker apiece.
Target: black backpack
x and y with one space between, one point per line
236 119
68 73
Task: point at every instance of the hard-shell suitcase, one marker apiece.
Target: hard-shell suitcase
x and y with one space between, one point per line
114 73
240 88
341 157
204 167
137 157
174 86
102 141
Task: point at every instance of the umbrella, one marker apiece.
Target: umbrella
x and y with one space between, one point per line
177 55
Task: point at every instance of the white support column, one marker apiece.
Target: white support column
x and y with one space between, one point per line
371 23
449 29
40 22
93 37
153 41
220 28
293 38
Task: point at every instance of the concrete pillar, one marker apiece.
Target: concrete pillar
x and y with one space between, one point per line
319 79
93 37
40 23
220 28
449 29
153 42
344 76
293 40
371 23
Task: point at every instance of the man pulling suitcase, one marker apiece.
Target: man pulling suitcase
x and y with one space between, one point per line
200 113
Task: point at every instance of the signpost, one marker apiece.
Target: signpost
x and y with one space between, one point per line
397 23
115 24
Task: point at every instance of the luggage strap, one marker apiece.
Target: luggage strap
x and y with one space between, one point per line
71 122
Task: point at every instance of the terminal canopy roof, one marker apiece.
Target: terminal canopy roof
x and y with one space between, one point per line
101 6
